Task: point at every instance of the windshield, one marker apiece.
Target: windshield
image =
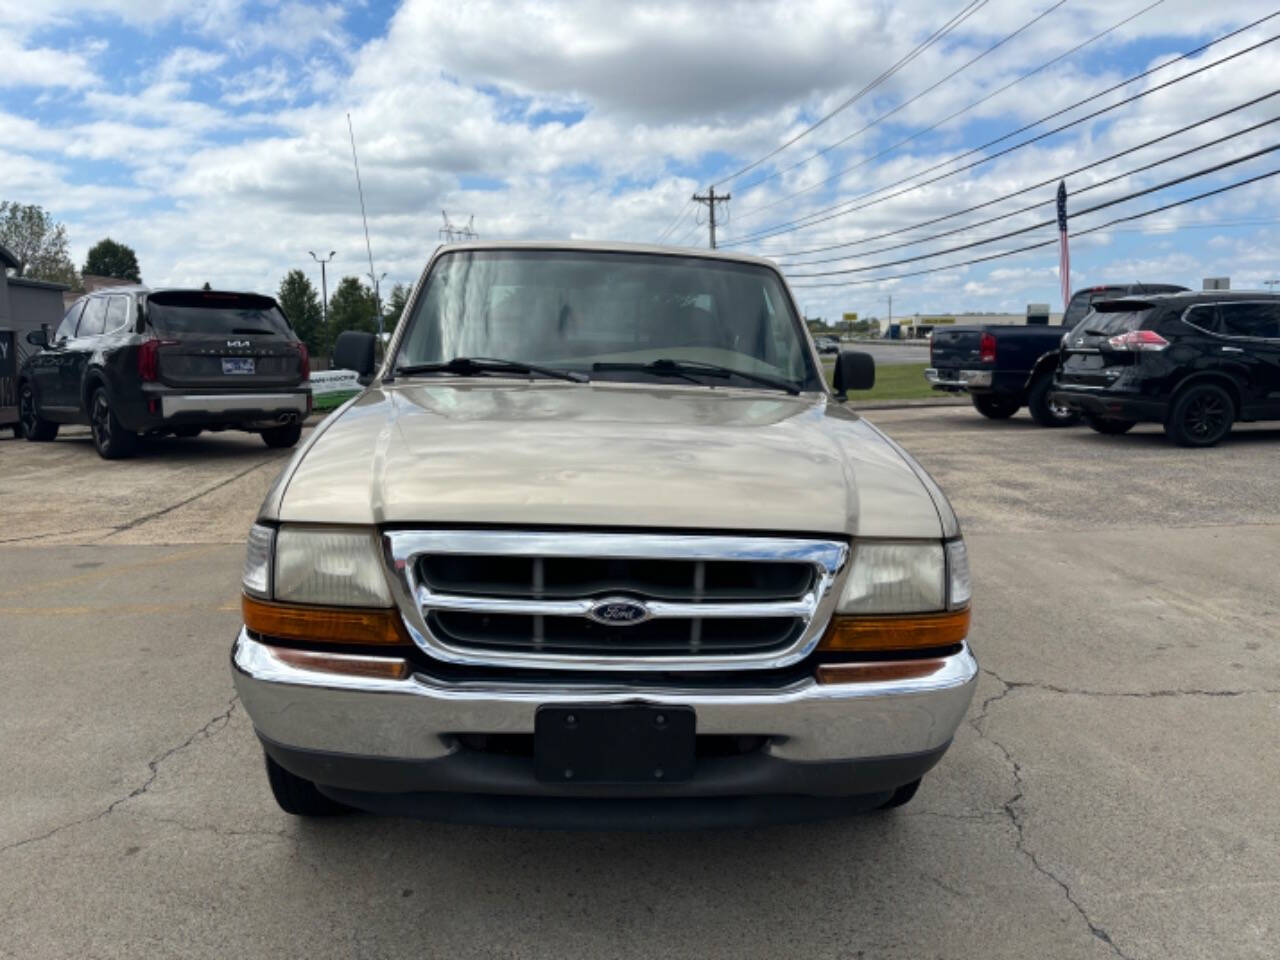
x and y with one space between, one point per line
215 313
572 310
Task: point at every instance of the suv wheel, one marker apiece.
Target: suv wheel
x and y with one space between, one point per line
1103 425
1045 412
298 796
1200 416
30 424
901 796
995 407
282 437
111 439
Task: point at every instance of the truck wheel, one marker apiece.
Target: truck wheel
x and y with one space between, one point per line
30 424
995 407
901 796
1200 416
112 440
1043 411
282 437
298 796
1113 427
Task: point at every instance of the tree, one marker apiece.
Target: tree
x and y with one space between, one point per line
395 305
301 305
39 243
352 307
110 259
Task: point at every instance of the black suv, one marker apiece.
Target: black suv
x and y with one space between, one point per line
129 361
1195 362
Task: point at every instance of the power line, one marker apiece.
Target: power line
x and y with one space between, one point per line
963 110
1045 223
902 106
937 35
1043 183
817 216
674 223
1044 243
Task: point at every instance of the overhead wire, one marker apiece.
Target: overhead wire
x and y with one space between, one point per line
1045 223
906 103
843 208
1047 181
1044 243
933 38
963 110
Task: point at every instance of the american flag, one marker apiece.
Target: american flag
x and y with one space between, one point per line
1064 254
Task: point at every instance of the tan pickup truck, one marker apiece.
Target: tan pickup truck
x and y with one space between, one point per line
599 547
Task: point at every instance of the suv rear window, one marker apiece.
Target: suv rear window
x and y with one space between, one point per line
217 313
1112 317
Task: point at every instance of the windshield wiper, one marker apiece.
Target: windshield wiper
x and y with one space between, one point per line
1096 333
250 330
463 366
689 369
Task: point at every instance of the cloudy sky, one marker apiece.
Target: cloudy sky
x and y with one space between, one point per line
212 136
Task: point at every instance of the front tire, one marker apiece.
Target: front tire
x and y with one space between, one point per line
299 797
279 438
1200 416
993 406
110 438
902 796
1109 427
30 424
1043 411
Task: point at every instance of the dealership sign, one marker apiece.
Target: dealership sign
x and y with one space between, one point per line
334 381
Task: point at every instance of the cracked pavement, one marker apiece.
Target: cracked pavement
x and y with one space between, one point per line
1110 795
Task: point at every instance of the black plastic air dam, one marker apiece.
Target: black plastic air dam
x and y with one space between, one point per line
483 788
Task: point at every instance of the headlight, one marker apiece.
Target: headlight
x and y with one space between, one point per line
257 561
906 578
331 566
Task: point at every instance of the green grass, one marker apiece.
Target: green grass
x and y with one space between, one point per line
899 381
331 401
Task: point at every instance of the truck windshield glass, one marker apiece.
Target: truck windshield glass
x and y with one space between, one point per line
216 313
572 310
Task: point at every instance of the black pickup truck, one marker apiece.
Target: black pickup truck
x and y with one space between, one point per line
1004 368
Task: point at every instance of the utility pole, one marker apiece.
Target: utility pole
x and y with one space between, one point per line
450 233
889 323
377 300
324 287
1270 285
711 200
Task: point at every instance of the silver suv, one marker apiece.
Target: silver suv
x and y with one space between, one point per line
598 546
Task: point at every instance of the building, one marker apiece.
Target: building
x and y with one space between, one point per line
25 304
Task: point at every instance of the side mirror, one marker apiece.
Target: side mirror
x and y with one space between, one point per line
854 371
39 338
353 350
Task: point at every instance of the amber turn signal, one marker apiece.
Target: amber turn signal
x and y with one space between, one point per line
296 621
921 631
883 671
351 665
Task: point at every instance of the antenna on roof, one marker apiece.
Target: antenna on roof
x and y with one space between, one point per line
368 246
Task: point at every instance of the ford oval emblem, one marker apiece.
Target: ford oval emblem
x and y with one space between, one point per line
619 612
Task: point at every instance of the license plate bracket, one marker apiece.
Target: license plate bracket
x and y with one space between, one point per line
617 743
237 365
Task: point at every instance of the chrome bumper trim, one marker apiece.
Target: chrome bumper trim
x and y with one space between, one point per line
403 548
173 404
965 378
417 718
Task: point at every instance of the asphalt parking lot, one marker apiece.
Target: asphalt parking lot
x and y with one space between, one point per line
1113 793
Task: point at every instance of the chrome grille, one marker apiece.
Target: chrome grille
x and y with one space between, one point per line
535 599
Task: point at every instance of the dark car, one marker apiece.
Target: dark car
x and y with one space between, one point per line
1195 362
1006 367
130 361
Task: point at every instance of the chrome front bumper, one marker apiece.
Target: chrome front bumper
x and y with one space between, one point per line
418 718
962 381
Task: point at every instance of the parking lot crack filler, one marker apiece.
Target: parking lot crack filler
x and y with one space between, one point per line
1013 812
211 728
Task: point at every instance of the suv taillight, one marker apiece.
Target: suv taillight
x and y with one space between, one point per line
305 358
1138 341
987 348
149 359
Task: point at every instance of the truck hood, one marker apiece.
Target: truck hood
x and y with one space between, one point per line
606 455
